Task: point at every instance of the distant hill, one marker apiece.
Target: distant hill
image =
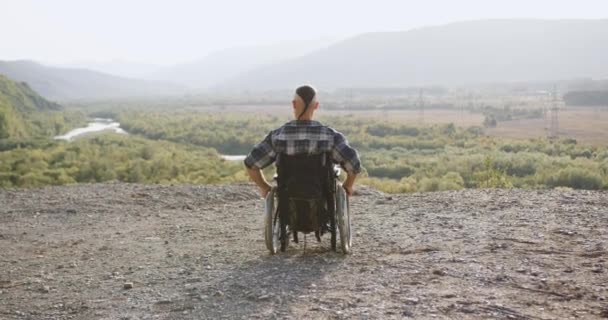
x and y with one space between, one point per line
126 69
68 83
225 64
17 102
453 54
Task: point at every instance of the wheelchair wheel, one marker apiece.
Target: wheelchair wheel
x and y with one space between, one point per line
343 220
271 224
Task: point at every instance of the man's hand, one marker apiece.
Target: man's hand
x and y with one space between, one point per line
265 190
349 190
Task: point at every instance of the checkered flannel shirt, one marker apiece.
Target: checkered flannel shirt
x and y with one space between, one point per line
304 137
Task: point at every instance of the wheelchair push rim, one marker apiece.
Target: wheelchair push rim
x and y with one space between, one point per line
271 223
343 220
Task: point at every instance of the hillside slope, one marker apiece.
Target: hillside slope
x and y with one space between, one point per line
67 83
197 252
225 64
17 102
452 54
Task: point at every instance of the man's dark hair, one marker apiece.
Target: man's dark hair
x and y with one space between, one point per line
307 93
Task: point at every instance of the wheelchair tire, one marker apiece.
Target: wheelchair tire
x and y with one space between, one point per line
271 225
343 220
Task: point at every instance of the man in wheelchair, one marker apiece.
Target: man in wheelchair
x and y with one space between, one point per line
308 194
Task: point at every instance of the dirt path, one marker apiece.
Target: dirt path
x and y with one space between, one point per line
197 252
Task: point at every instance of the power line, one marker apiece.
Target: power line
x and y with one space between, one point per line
554 129
421 105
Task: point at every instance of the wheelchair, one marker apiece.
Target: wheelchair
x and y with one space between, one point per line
308 197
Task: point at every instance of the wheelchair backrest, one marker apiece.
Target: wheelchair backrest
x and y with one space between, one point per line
304 185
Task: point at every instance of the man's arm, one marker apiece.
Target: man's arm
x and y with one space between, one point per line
348 158
256 175
261 156
349 183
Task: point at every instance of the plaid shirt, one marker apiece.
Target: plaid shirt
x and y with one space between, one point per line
301 137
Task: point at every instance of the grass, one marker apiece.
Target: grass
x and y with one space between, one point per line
586 125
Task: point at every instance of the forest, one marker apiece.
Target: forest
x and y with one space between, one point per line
404 158
185 147
176 141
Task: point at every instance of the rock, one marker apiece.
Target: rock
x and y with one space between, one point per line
218 294
264 297
128 285
407 314
411 300
439 272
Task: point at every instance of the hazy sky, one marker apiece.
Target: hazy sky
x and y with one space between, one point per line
167 32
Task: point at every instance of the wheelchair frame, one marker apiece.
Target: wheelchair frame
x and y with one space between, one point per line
276 230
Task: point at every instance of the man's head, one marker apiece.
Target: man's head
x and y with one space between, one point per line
305 103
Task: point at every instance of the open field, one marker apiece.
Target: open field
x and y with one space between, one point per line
462 118
586 125
129 251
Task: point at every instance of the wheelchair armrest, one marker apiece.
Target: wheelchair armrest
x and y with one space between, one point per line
337 171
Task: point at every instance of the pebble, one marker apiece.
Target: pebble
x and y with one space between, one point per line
439 272
45 289
128 285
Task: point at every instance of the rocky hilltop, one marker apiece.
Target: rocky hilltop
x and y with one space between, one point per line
126 251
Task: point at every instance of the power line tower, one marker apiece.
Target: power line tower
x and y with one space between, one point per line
545 105
554 129
421 105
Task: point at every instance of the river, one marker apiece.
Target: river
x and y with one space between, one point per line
101 124
97 125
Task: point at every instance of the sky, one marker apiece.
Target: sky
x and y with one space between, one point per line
170 32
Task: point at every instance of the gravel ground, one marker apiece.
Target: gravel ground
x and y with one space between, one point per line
126 251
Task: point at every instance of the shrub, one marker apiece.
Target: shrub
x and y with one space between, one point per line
429 184
575 178
451 181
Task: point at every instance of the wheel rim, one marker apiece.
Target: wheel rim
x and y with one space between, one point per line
271 228
344 224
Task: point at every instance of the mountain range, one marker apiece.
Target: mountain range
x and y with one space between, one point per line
72 83
453 54
461 53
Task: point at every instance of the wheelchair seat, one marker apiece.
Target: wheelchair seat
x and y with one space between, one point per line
308 199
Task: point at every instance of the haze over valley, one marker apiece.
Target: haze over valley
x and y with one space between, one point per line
456 54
